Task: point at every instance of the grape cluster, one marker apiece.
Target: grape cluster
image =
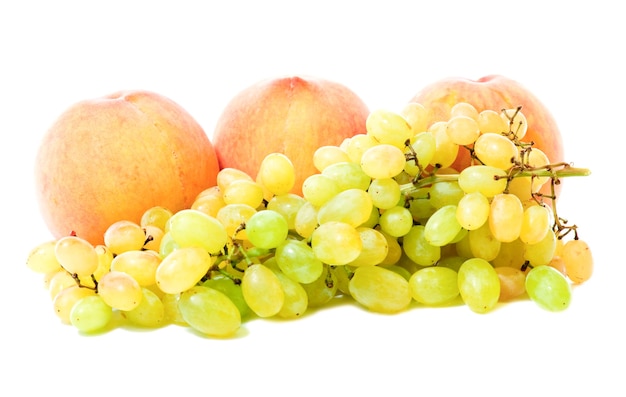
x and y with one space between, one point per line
386 222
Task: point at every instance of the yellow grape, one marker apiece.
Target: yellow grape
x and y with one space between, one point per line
416 115
396 221
58 281
336 243
352 206
232 216
385 193
209 201
149 313
327 155
76 255
479 285
277 173
374 248
483 244
262 290
42 259
155 216
243 192
542 252
305 221
496 150
472 210
140 264
512 282
446 150
209 311
66 298
318 189
465 109
379 289
228 175
516 122
462 130
119 290
578 260
182 269
535 224
506 216
424 147
388 127
383 161
485 179
490 121
124 236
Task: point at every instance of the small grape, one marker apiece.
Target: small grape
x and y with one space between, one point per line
578 261
209 311
277 173
77 255
149 313
90 314
434 285
548 288
124 236
379 289
119 290
336 243
383 161
479 285
267 229
262 290
182 269
388 127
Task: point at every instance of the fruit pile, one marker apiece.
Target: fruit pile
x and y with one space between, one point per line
385 221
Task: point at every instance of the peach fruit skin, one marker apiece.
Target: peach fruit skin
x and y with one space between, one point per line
494 92
290 115
111 158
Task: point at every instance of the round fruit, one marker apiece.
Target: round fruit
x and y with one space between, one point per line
111 158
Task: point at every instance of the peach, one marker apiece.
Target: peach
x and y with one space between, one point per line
112 158
289 115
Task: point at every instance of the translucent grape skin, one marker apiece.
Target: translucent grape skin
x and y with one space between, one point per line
209 311
90 314
379 289
267 229
578 260
479 285
434 285
548 288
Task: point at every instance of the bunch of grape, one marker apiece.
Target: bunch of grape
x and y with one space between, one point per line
386 222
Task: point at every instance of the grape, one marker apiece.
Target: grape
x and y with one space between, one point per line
124 236
464 109
510 254
374 248
232 217
379 289
64 301
171 309
578 260
485 179
267 229
243 192
516 122
490 121
479 285
59 281
442 227
209 201
317 189
305 221
512 282
416 115
154 235
483 244
149 313
396 221
140 265
394 250
424 146
277 174
90 314
445 193
298 261
472 210
388 127
228 175
182 269
420 251
505 217
336 243
537 158
383 161
296 299
209 311
76 255
535 224
348 175
541 253
462 130
446 150
167 245
155 216
385 193
192 228
42 259
262 290
496 150
287 205
119 290
434 285
327 155
324 288
232 290
548 288
351 206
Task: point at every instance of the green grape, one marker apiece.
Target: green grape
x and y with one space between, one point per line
424 146
578 260
323 289
483 243
445 193
356 145
472 210
383 161
336 243
462 130
442 227
267 229
140 265
233 216
548 288
305 221
262 290
506 216
396 221
168 245
296 299
379 289
90 314
388 127
535 224
297 260
171 309
416 115
318 189
453 262
327 155
434 285
232 290
419 250
348 175
420 206
385 193
76 255
209 311
351 206
510 254
119 290
192 228
149 313
340 280
485 179
42 259
182 269
287 205
155 216
243 192
277 173
479 285
541 253
496 150
374 248
124 236
446 150
66 298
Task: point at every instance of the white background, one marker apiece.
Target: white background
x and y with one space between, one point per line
570 54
